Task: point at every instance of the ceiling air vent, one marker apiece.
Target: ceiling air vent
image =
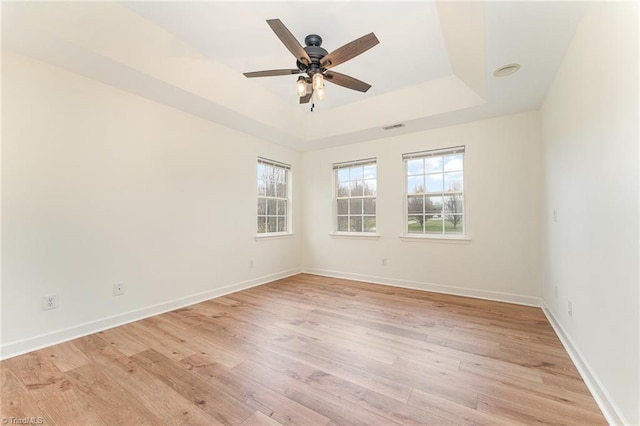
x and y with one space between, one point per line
393 126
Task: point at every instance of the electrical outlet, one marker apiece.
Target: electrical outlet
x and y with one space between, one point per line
384 261
49 302
251 265
570 308
555 214
118 289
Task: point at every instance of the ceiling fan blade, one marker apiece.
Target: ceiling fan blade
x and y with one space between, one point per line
271 73
349 50
306 98
289 41
346 81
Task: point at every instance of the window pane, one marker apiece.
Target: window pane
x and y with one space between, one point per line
271 188
434 183
343 175
282 224
433 164
261 170
343 224
453 163
357 173
357 188
415 184
370 172
356 206
434 225
271 224
369 206
433 205
369 224
281 190
262 188
262 224
415 167
415 204
453 224
414 224
453 181
355 224
282 207
343 207
262 206
343 189
370 187
271 207
453 203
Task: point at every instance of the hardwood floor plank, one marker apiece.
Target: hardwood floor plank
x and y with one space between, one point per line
146 389
309 350
112 403
197 344
370 400
70 408
66 356
259 419
16 399
272 404
166 343
339 410
204 395
38 374
531 410
123 339
453 413
192 417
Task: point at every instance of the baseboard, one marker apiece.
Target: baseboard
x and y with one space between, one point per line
600 394
20 347
436 288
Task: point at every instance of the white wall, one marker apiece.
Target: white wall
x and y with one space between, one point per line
502 195
100 186
590 134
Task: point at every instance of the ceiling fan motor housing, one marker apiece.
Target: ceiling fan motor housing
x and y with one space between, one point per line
315 52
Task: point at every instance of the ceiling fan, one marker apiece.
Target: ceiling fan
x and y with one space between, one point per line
316 62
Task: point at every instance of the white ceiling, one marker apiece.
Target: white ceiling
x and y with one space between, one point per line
433 66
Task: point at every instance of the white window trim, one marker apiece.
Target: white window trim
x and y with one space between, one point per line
352 234
273 236
289 232
356 235
435 238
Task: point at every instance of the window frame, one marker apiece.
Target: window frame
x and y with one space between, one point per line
336 167
288 180
440 152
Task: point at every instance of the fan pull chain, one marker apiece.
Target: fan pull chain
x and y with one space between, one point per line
313 105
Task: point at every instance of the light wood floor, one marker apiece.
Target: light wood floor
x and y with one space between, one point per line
309 350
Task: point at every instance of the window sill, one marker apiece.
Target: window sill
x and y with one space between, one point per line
455 239
355 235
273 236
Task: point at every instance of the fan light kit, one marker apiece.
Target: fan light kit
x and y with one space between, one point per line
315 61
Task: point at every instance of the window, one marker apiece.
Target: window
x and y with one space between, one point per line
356 187
435 192
273 196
